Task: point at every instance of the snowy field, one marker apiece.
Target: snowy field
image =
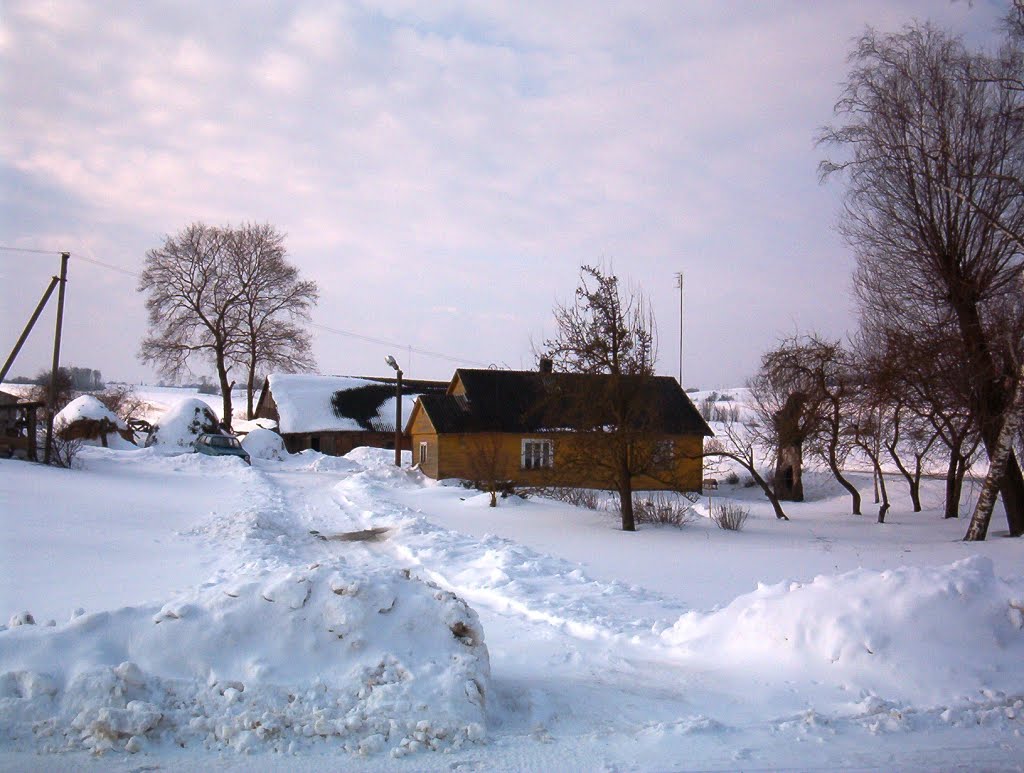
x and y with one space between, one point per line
187 618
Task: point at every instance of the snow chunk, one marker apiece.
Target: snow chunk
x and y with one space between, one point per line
264 444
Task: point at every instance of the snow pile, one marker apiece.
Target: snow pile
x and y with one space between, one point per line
182 424
923 636
264 444
274 659
91 415
86 407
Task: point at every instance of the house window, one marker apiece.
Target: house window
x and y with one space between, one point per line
423 452
538 454
664 453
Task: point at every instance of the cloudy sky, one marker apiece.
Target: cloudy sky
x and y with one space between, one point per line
441 169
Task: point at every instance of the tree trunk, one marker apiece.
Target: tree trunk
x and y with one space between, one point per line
999 464
788 481
626 505
952 508
250 388
776 506
884 507
225 391
991 406
833 465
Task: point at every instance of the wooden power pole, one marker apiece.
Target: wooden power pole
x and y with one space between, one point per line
55 367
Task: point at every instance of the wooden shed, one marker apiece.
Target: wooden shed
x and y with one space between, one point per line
334 414
18 426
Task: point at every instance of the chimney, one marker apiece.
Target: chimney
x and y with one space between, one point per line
546 365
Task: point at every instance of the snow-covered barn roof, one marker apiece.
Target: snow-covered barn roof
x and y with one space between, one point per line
312 403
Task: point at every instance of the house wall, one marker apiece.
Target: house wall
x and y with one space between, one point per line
422 431
339 443
497 456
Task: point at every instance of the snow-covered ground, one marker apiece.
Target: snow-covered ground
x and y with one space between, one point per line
220 632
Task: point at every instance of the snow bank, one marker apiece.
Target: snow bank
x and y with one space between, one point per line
923 636
182 424
264 444
272 659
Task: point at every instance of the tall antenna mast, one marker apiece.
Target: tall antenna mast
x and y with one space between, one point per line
679 284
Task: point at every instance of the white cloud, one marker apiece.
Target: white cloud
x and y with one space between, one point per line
452 155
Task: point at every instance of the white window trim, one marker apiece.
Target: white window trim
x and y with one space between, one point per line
541 459
423 452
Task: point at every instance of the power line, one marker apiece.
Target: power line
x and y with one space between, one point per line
326 328
26 249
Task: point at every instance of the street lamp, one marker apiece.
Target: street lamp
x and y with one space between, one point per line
390 360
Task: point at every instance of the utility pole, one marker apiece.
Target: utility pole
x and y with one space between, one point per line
679 284
55 367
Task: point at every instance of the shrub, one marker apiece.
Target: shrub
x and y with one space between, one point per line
122 401
578 497
665 510
732 478
729 516
64 451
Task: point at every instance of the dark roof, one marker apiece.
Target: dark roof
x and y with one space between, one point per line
528 401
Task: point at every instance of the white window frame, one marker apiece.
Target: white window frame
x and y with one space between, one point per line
423 452
537 454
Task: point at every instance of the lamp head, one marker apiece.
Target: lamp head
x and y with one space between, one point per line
390 360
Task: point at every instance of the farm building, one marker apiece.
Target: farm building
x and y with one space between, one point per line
524 428
334 414
18 425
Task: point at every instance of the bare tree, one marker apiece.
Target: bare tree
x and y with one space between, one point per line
192 300
819 371
273 305
605 332
228 296
934 165
740 443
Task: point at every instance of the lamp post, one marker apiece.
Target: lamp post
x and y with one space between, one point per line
390 360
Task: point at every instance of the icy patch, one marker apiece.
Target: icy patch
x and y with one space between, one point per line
268 660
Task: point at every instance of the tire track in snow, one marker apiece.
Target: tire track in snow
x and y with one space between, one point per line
501 574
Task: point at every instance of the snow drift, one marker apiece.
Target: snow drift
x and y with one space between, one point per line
876 633
271 659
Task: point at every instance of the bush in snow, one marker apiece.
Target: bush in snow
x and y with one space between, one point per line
663 509
264 444
182 424
729 516
577 497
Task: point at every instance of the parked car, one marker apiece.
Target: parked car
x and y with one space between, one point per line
220 445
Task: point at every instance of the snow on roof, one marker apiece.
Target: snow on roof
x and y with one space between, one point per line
304 403
86 407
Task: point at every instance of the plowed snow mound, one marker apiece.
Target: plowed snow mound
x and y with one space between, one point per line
272 659
879 633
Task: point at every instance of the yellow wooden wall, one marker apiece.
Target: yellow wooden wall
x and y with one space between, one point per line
477 456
